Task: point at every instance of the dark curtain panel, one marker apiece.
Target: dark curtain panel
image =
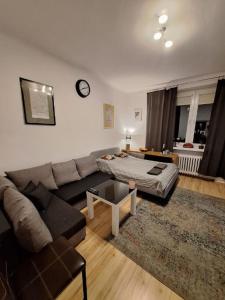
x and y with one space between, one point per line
161 114
213 161
177 121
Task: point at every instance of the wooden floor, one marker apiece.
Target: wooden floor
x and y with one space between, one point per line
110 274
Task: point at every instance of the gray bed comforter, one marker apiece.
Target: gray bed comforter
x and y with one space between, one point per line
130 167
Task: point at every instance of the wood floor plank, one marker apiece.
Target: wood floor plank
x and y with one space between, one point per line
110 274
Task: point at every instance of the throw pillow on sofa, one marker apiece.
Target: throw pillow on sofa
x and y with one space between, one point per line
4 184
86 165
65 172
37 174
39 195
29 228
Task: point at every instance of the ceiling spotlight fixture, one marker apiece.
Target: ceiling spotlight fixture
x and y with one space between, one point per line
163 19
168 44
160 33
157 36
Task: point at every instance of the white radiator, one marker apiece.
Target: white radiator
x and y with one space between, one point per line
189 164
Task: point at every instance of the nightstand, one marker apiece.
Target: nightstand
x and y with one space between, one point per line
156 156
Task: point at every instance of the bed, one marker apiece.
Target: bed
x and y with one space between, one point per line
131 167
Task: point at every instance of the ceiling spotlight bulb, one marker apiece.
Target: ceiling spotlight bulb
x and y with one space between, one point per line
168 44
163 19
157 35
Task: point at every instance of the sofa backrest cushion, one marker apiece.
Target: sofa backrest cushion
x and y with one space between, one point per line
37 174
86 165
65 172
4 184
29 228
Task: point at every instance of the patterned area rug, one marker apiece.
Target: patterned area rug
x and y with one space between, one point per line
181 244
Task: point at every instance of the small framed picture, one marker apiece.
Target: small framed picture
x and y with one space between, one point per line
108 115
138 114
38 102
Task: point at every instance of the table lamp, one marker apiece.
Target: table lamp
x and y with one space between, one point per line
128 142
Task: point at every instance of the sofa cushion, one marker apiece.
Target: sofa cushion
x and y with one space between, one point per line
65 172
37 174
4 184
29 228
62 219
40 196
69 192
30 187
86 165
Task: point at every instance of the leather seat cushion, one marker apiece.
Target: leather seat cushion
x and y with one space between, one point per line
69 192
62 219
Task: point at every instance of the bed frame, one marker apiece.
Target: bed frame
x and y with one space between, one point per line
115 150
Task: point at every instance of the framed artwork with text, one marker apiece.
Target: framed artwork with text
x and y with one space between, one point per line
108 115
38 102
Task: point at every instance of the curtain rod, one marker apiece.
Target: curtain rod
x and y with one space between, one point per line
177 84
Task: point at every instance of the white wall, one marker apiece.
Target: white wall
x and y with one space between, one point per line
79 122
126 118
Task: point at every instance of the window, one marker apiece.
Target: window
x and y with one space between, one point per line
193 114
182 114
202 123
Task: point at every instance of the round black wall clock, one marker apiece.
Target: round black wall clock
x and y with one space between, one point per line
82 88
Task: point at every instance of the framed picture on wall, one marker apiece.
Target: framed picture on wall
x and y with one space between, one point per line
108 115
138 114
38 102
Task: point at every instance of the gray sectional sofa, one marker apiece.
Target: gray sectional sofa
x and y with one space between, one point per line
66 185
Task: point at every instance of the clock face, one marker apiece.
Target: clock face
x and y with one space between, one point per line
82 88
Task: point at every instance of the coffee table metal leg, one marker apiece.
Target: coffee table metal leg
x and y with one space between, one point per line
115 220
133 203
84 283
90 206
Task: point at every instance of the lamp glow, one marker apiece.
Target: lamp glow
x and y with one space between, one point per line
157 36
168 44
163 19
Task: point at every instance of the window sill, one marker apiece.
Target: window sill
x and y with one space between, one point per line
188 149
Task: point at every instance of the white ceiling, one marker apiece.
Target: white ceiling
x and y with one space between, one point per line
113 38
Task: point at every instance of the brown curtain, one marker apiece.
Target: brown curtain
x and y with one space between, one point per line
161 113
213 161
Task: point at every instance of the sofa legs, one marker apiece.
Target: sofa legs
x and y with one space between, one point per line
84 283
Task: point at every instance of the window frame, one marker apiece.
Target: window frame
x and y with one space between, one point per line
192 97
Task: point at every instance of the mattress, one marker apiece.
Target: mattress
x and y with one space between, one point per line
130 167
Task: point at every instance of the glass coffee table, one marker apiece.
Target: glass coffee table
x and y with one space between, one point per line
113 193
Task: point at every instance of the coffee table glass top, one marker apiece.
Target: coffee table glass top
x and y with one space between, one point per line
113 191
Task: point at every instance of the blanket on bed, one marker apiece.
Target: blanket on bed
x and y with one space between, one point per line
130 167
